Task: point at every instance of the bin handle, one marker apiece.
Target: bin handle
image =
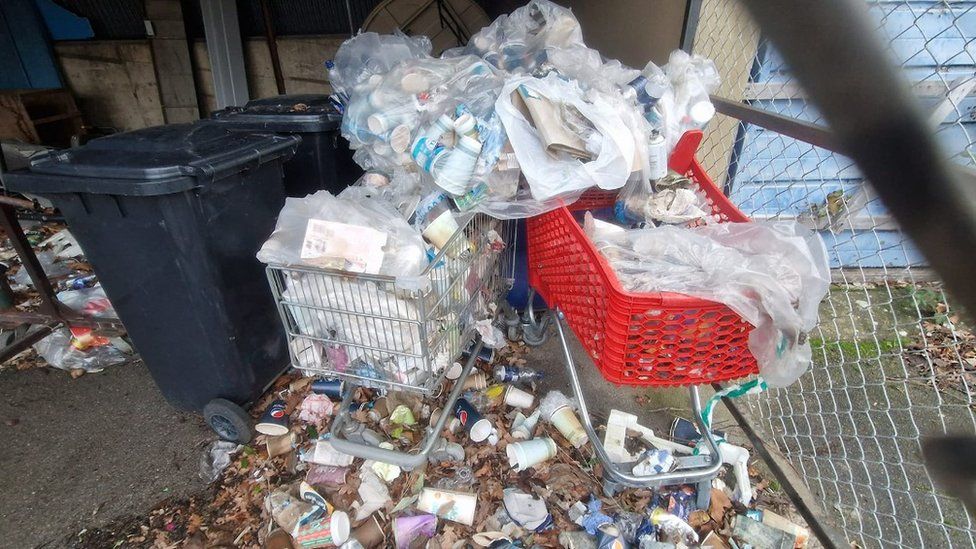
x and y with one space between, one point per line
690 475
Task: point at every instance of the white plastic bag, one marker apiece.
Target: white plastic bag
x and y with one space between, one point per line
773 274
550 176
403 252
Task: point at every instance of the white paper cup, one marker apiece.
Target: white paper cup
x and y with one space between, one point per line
566 422
448 504
481 430
518 398
439 127
455 173
465 125
441 230
528 453
400 139
454 371
523 429
414 82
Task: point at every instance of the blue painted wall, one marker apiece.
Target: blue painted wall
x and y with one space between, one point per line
26 60
776 175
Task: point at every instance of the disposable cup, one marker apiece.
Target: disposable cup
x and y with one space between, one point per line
568 425
454 371
523 429
281 445
408 529
370 533
476 381
449 505
441 230
324 532
414 82
518 398
465 124
400 138
528 453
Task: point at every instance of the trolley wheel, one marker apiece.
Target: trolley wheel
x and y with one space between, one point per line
535 334
228 420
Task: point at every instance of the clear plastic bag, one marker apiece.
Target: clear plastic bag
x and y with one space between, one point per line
403 251
549 176
773 274
369 54
80 350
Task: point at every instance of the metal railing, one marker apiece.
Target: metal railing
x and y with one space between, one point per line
894 362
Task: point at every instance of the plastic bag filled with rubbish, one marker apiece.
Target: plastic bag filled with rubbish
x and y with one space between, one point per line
773 274
366 55
80 349
353 232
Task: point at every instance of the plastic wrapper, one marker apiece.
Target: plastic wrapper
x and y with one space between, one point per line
216 458
773 274
80 349
88 301
380 240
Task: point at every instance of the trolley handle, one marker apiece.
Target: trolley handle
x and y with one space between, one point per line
680 476
405 461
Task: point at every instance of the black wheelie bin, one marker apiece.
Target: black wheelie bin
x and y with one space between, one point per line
323 159
171 218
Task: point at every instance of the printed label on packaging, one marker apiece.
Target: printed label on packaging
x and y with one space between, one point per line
352 248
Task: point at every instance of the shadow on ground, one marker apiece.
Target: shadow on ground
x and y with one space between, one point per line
77 453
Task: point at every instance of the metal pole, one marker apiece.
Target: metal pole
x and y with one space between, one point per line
224 49
272 39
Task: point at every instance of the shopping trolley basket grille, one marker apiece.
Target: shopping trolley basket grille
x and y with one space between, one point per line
395 332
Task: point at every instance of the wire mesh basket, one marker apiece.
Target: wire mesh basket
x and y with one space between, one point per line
395 332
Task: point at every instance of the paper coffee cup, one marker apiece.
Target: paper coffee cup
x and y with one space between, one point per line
449 505
528 453
407 529
414 83
465 125
523 427
324 532
454 371
518 398
370 533
281 445
439 127
476 381
566 422
440 231
400 139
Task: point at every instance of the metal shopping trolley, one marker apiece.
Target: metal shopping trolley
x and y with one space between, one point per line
396 332
640 339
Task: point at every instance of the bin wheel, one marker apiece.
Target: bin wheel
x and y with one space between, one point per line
228 420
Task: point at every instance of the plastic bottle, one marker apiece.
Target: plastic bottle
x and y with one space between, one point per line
514 374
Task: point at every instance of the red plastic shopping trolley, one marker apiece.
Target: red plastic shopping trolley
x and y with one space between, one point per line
641 339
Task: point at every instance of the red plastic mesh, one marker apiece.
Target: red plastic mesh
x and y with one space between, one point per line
651 339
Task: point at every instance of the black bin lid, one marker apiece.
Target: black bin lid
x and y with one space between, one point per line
152 161
300 113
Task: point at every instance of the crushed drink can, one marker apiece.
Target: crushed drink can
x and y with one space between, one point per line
514 374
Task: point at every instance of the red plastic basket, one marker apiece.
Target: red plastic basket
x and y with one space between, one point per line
645 339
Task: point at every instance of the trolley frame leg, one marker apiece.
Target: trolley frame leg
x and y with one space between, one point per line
407 462
696 469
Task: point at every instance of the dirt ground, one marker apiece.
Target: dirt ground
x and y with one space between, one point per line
80 452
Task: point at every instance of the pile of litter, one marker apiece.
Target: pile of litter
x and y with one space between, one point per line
534 487
75 349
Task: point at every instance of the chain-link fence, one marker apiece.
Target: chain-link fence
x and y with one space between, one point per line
893 361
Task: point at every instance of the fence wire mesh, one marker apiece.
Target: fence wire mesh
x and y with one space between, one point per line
894 362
